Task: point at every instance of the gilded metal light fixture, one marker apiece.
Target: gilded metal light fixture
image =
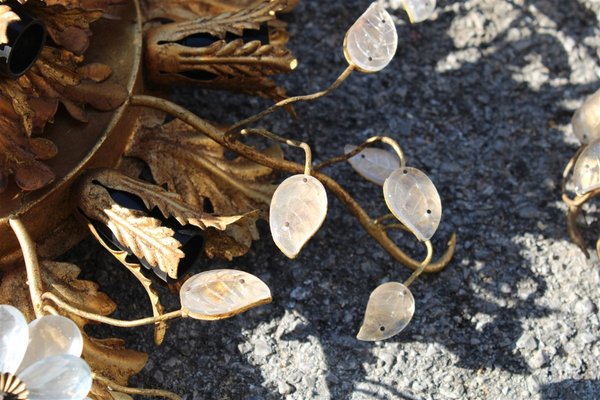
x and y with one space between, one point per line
156 193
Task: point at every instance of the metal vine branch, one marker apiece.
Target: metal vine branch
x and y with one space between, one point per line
158 195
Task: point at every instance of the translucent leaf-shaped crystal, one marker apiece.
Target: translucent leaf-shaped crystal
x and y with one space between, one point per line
413 199
13 338
373 164
586 173
418 10
298 209
370 44
62 377
586 120
390 308
52 335
222 293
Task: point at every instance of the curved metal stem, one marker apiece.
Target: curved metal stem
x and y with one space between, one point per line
252 154
423 265
34 277
270 135
127 390
384 139
285 102
110 321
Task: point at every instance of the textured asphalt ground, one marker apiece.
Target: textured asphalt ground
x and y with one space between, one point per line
480 97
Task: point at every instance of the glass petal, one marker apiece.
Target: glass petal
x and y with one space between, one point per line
222 293
586 173
370 44
586 120
13 338
52 335
390 309
61 377
373 164
419 10
298 209
413 199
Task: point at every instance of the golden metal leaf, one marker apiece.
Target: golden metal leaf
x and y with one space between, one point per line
195 167
140 234
107 357
239 64
160 329
144 236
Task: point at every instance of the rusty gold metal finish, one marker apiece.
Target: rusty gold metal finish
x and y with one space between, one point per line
575 206
201 51
12 387
99 143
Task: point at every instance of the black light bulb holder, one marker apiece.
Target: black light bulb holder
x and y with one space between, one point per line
26 38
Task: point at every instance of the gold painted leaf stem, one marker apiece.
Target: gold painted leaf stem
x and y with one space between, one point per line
111 321
144 392
286 102
252 154
32 265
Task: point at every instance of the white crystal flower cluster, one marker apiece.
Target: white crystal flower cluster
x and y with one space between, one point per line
44 356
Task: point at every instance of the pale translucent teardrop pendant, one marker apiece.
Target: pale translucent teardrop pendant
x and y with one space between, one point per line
298 209
222 293
52 335
390 309
62 377
373 164
586 120
418 10
370 44
14 337
413 199
586 173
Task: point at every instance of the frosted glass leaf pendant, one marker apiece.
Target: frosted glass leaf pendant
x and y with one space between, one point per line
370 44
586 120
14 337
586 173
298 209
52 335
373 164
413 199
60 377
390 308
222 293
418 10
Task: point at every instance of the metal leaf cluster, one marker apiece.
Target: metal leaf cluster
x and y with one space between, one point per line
30 102
195 167
236 64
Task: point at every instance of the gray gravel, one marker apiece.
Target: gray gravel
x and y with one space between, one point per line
480 98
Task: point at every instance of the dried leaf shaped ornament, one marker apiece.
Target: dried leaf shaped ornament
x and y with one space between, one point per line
413 199
373 164
586 174
586 120
389 310
370 44
418 10
222 293
298 209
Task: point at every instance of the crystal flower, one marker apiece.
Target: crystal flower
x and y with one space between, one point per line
41 361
